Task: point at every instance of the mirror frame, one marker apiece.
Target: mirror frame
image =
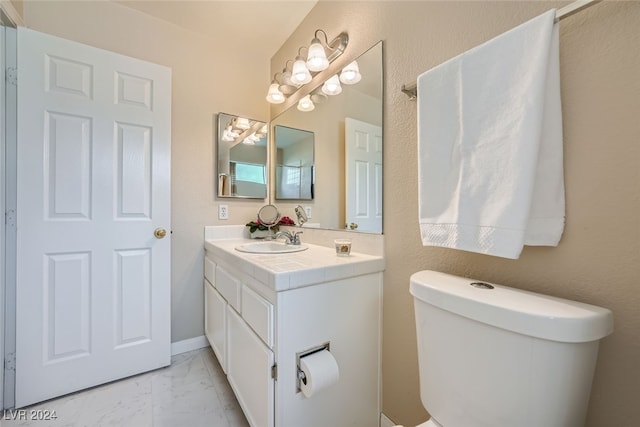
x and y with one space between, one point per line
219 175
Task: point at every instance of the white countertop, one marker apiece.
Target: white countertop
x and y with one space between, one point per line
280 272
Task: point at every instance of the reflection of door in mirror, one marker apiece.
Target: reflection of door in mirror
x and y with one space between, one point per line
363 164
294 163
242 157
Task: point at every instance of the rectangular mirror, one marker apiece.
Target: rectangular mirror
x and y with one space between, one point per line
347 163
294 163
242 157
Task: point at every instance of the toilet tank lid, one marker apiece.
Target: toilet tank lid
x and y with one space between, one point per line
524 312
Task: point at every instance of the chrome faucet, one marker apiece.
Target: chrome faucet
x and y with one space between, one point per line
292 238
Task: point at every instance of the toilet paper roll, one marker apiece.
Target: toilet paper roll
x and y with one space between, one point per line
320 370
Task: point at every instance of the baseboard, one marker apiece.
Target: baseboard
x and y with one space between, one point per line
190 344
386 422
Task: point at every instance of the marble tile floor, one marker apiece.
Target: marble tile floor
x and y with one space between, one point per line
192 392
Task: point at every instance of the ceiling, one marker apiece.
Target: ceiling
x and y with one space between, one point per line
243 24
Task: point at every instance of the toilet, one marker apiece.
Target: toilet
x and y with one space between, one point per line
494 356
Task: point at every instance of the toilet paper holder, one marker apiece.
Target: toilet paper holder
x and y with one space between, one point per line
301 378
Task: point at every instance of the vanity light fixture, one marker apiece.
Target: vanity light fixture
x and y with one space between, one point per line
306 104
319 55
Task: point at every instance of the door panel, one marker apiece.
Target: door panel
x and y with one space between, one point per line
93 283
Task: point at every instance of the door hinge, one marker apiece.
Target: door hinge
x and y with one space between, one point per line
274 372
10 362
10 218
11 76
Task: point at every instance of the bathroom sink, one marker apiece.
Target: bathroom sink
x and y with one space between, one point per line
270 248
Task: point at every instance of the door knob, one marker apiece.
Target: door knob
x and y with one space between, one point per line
160 233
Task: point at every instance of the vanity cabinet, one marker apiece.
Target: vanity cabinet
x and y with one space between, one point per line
243 353
259 319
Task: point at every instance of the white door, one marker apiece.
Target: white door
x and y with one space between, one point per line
93 282
363 159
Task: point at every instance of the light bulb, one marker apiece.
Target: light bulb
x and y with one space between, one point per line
317 58
300 74
305 104
332 86
350 74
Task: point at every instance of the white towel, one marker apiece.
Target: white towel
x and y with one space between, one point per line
490 145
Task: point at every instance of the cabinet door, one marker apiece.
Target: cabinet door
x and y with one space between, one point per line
249 365
215 322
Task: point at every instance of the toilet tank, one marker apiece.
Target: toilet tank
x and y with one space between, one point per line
490 355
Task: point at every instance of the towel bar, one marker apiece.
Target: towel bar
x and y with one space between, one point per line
411 89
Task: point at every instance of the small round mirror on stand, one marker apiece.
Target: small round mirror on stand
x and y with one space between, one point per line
302 215
269 216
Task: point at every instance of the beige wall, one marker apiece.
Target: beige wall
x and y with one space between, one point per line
203 85
18 6
598 259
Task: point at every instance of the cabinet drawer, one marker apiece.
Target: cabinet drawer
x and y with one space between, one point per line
229 287
210 270
258 313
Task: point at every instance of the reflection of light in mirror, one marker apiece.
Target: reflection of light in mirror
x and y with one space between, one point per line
350 74
305 104
242 123
229 134
252 139
332 86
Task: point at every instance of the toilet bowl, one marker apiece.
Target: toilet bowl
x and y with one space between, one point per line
479 343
